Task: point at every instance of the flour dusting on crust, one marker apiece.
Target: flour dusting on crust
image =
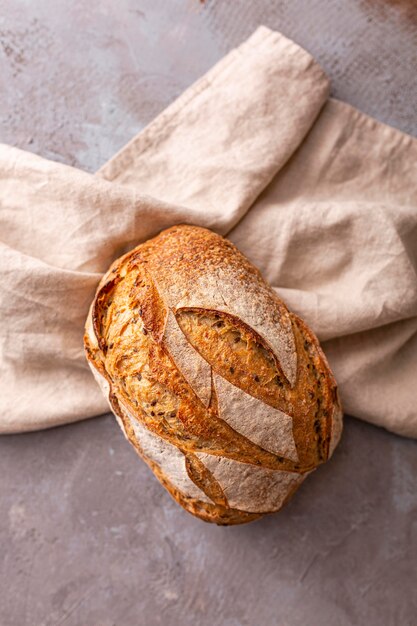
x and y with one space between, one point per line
169 458
250 488
193 367
267 427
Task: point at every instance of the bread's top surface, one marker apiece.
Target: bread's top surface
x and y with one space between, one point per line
198 347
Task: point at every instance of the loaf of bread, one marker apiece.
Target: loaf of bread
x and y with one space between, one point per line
223 392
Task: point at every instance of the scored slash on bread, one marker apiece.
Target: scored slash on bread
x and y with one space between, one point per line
193 367
223 392
272 429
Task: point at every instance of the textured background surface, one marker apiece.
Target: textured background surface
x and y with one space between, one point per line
87 535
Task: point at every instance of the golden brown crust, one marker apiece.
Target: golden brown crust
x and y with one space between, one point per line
161 332
219 513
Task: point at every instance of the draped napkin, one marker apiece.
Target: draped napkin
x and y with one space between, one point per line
319 196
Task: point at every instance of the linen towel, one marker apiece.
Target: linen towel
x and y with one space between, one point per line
319 196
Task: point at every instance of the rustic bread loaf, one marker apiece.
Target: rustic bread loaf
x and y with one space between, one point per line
222 391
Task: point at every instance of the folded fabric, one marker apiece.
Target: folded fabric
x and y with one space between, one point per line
320 197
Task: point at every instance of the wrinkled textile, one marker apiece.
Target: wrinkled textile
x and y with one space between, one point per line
319 196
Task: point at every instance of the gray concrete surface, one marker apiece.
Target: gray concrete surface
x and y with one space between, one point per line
87 535
90 538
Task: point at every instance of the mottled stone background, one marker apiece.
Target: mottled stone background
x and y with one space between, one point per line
87 535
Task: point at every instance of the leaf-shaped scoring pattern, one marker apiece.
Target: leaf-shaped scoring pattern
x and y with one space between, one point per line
250 488
238 376
234 290
263 424
256 310
260 423
193 367
168 457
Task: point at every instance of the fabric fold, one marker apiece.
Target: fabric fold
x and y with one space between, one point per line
232 130
319 196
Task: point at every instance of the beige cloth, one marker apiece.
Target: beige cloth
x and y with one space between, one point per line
320 197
